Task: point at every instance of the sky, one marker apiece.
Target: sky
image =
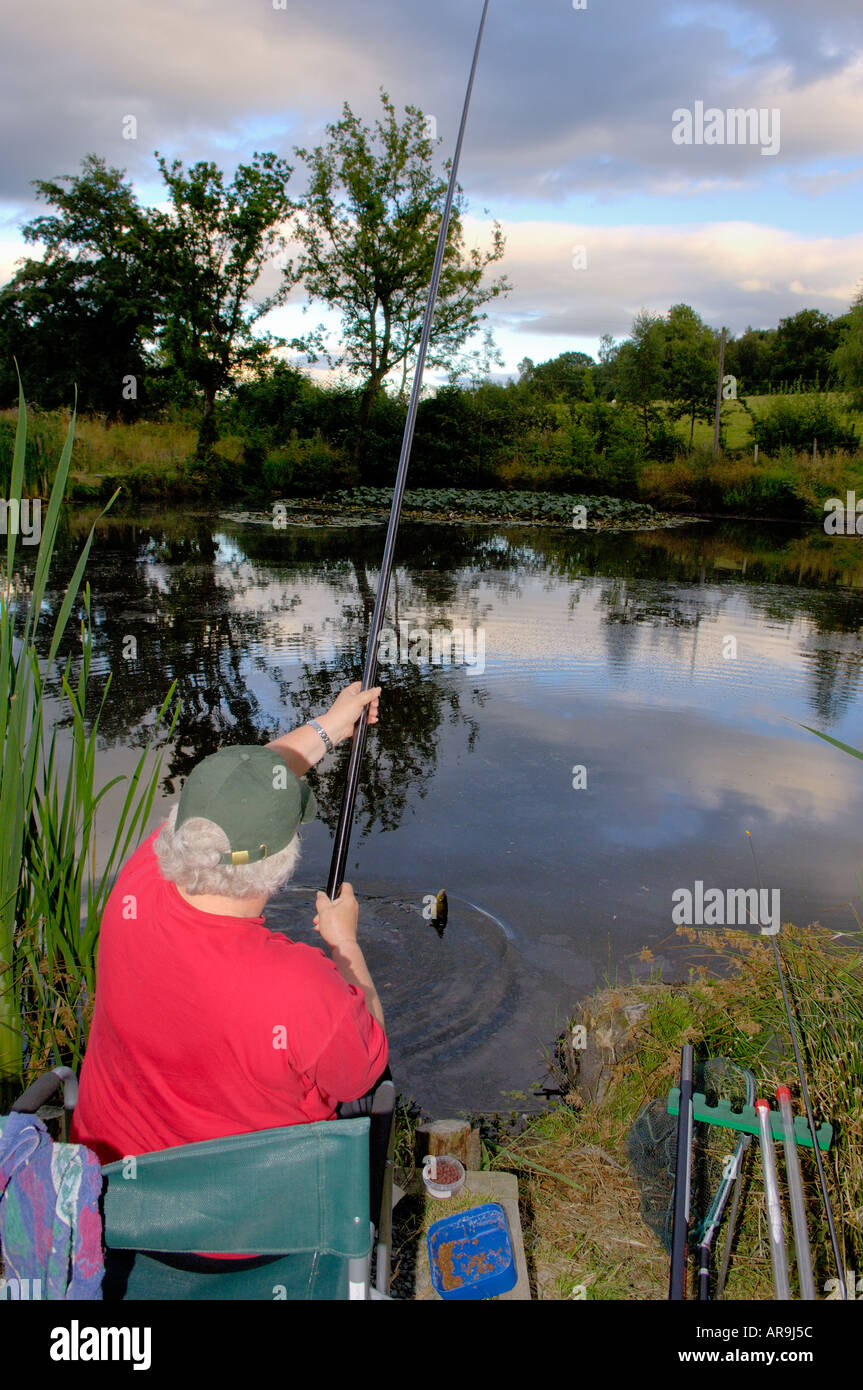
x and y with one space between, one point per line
583 137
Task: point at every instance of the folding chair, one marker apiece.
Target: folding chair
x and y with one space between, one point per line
299 1197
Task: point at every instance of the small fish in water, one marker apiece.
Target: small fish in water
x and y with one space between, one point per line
436 911
441 912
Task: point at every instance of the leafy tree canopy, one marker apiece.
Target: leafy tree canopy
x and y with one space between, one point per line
368 225
210 250
804 347
848 356
83 315
561 378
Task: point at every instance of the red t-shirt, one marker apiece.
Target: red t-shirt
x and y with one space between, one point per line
206 1026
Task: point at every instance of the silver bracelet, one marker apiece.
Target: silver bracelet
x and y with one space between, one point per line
324 735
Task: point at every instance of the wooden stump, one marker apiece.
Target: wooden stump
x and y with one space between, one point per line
454 1137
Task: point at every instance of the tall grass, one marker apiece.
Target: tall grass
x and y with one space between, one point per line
47 817
825 981
579 1191
594 448
791 487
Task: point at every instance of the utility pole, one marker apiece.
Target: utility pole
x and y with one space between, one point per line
719 394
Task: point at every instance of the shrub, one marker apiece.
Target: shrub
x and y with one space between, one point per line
795 422
279 399
719 486
43 445
664 444
767 492
308 467
382 440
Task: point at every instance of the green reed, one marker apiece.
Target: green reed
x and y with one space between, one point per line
51 895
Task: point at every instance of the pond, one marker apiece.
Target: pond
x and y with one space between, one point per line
621 709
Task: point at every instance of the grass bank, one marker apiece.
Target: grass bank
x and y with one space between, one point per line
793 487
155 461
581 1202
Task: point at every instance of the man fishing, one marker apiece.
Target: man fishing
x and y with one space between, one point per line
205 1023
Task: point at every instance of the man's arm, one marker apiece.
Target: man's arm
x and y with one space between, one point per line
352 967
304 747
338 924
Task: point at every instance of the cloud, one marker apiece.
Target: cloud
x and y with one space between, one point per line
733 273
196 75
570 128
818 185
565 101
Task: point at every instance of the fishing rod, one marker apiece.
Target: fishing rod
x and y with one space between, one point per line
795 1191
774 1205
346 814
804 1090
682 1180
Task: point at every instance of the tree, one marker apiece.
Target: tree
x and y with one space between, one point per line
369 225
640 365
750 358
84 315
848 357
210 250
561 378
472 367
605 375
526 369
691 360
804 348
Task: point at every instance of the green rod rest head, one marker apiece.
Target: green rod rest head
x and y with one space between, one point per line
746 1121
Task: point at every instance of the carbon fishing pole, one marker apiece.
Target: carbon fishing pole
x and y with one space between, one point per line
795 1192
778 1257
346 814
682 1179
732 1218
804 1090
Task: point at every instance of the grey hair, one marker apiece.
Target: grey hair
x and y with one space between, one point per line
189 858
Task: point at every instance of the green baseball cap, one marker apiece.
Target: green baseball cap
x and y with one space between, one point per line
251 793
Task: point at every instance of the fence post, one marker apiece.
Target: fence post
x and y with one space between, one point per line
719 394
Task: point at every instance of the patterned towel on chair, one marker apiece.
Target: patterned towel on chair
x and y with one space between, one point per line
50 1224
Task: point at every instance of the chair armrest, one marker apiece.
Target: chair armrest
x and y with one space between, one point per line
384 1099
44 1087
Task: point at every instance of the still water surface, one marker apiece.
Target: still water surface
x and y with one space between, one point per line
610 653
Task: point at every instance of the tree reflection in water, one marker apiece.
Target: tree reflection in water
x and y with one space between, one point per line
217 606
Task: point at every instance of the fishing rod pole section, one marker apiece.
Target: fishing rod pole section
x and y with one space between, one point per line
773 1204
682 1180
810 1120
342 837
802 1249
732 1222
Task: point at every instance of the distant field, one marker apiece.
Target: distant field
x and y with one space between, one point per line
737 426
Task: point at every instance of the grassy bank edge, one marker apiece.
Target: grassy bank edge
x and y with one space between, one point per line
155 461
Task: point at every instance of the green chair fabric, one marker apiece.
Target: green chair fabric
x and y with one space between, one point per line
300 1193
298 1197
278 1191
134 1276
